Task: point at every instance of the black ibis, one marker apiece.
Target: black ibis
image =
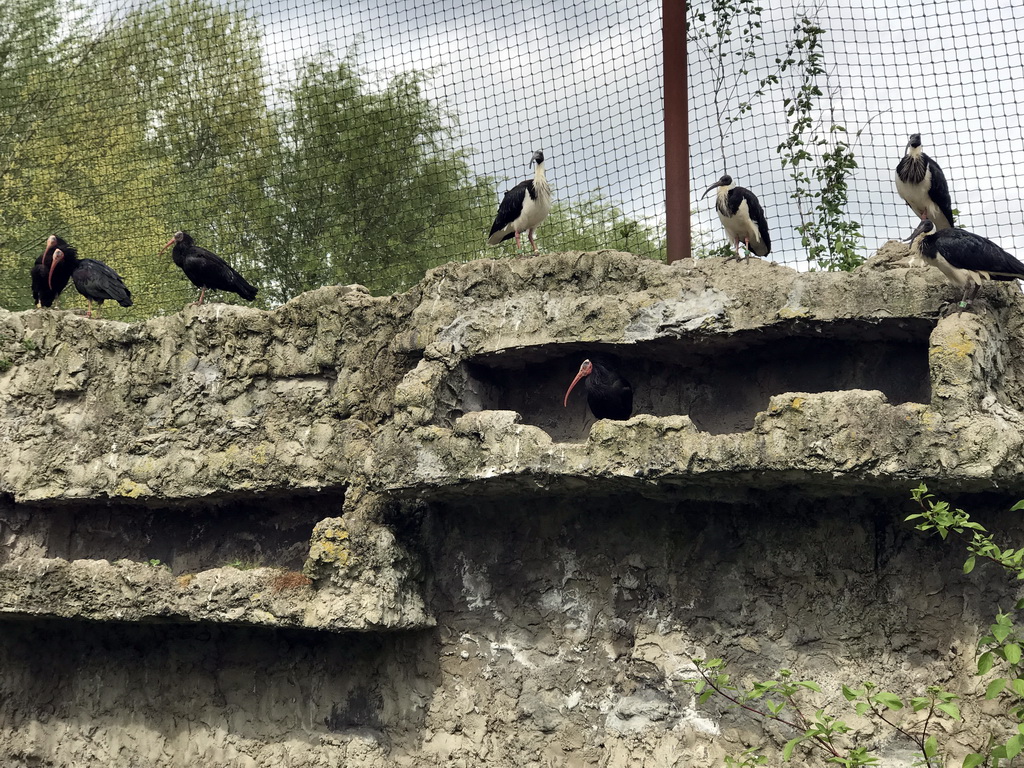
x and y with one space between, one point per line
920 182
609 395
47 282
93 279
524 207
742 217
206 269
964 258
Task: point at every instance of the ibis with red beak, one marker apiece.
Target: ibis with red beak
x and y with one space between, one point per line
609 395
47 281
93 279
207 270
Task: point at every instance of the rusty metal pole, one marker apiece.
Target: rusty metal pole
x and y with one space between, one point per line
677 130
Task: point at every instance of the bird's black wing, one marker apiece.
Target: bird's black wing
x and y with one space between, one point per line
98 282
511 207
41 293
939 192
738 195
966 250
208 270
609 395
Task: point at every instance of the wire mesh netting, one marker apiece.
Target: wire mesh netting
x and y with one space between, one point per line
882 71
312 144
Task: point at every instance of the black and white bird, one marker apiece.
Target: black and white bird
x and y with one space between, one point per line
609 395
964 258
93 279
921 182
524 207
742 217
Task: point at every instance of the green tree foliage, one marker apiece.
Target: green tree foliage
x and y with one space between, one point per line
595 223
116 133
368 187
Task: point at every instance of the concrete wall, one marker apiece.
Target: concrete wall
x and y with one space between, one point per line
364 531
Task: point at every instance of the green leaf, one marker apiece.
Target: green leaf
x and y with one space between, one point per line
931 747
1012 652
973 760
889 700
950 709
1000 632
1014 745
919 702
704 697
1018 506
850 695
862 707
810 684
787 753
995 687
969 564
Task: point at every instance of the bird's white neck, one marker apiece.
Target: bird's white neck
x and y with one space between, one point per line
721 203
915 249
540 181
915 152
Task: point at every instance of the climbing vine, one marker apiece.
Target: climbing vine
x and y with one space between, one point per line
819 730
817 150
818 154
726 35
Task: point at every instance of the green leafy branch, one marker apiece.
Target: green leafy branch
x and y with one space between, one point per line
1001 652
776 700
1003 643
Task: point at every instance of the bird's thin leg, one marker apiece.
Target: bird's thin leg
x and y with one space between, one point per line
967 297
89 313
202 293
529 234
518 243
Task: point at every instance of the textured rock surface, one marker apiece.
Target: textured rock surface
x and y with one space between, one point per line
525 586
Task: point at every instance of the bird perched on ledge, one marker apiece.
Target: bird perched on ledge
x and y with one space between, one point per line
47 282
609 395
964 258
93 279
921 182
523 208
742 217
206 269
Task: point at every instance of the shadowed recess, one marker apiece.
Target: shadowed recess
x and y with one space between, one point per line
720 381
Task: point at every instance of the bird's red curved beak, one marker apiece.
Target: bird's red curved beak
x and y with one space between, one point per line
168 245
57 256
583 372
